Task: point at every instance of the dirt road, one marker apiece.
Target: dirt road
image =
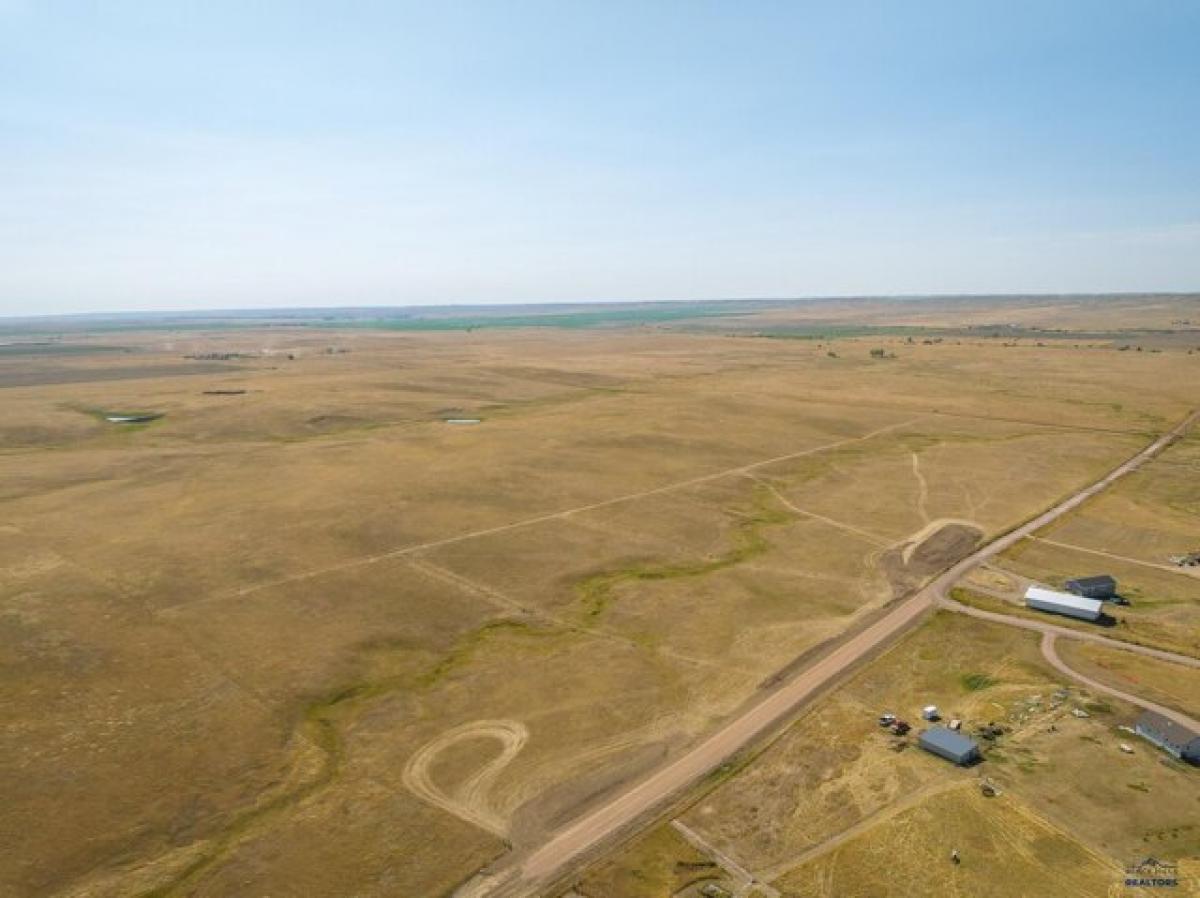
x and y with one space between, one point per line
745 882
1045 627
885 813
1169 568
1051 654
524 875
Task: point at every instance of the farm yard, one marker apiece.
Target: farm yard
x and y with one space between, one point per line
820 810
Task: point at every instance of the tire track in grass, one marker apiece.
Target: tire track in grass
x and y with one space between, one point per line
470 801
321 725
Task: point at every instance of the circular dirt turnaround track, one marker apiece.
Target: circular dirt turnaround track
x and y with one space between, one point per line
469 800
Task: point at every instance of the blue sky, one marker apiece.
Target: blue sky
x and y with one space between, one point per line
158 155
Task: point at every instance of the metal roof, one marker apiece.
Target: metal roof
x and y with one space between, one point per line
1098 580
948 740
1166 729
1064 599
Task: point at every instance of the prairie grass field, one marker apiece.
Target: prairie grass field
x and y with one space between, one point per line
298 635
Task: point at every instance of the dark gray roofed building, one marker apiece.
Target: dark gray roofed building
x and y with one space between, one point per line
1099 587
949 745
1173 738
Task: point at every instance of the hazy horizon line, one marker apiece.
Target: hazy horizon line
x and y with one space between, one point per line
470 306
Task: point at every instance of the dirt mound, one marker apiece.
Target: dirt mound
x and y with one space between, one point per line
930 551
944 547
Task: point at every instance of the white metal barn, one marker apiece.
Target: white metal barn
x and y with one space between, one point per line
1063 603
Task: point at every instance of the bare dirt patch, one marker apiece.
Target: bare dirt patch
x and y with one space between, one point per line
934 548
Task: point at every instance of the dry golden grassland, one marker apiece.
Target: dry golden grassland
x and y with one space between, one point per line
1009 853
1153 514
660 863
226 634
1130 532
831 808
1168 684
1060 317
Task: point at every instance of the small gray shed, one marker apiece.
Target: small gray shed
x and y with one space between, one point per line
952 746
1173 738
1099 587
